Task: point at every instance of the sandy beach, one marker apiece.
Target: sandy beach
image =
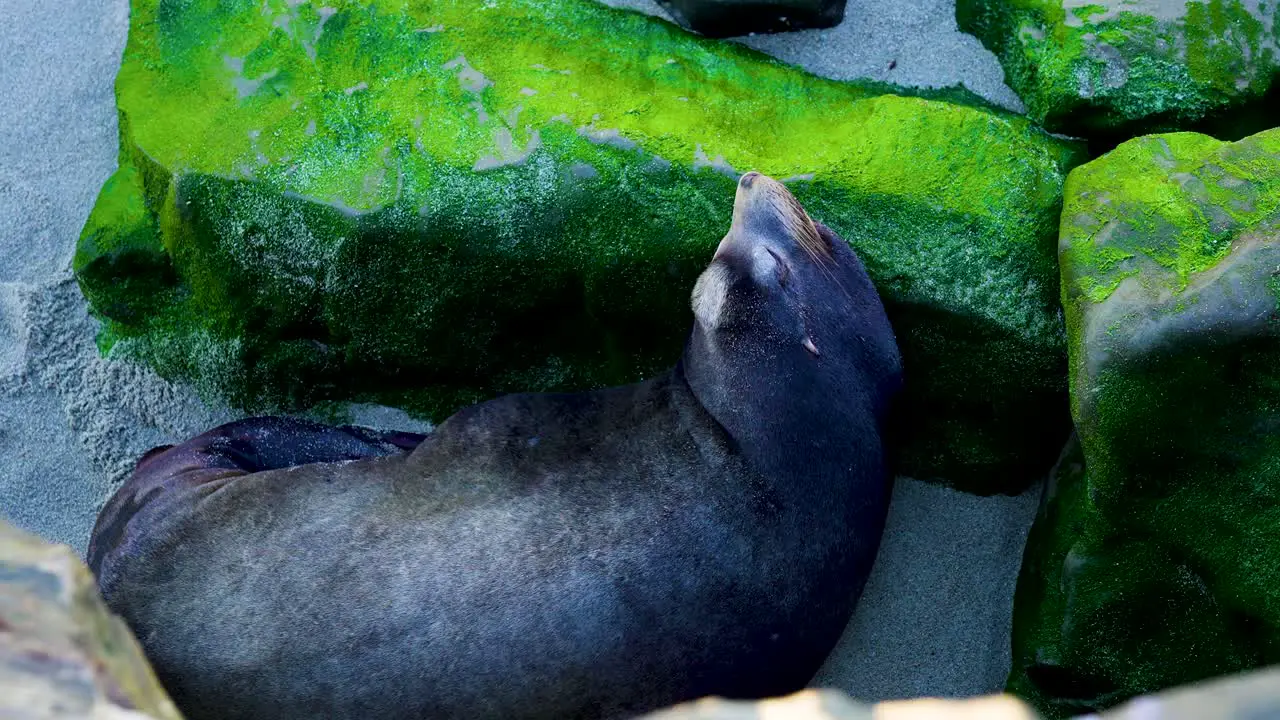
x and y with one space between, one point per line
934 619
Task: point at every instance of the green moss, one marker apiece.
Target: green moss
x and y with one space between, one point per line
121 264
1177 200
1084 12
1155 561
426 203
1117 70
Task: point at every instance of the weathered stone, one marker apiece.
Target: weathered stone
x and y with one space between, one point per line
1155 560
989 707
1248 696
826 704
424 204
727 18
804 705
1124 67
62 653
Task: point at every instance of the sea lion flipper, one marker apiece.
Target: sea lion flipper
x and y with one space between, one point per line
274 443
406 441
165 476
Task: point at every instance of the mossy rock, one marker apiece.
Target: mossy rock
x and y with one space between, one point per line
1155 560
1120 68
425 204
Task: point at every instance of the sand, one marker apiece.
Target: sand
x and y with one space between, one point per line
908 42
934 618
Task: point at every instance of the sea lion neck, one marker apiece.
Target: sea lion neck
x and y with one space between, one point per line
790 351
787 417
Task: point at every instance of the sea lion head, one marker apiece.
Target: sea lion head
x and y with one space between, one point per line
787 320
770 240
780 274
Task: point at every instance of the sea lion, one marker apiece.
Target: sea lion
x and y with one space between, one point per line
586 555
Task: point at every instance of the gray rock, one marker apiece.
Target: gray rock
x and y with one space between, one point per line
1251 696
804 705
834 705
62 654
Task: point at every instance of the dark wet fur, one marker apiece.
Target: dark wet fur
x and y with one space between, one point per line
592 555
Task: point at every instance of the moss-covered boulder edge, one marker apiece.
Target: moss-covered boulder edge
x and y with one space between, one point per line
1122 68
425 204
1155 560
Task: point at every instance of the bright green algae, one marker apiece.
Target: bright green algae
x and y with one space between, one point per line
429 203
1125 67
1155 560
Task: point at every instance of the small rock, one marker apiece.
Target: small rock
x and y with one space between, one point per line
991 707
825 704
804 705
62 653
729 18
1248 696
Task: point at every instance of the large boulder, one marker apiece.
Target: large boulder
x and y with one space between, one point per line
62 653
1155 560
426 204
1124 67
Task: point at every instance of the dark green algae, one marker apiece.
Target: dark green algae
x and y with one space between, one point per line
1111 71
1155 560
426 204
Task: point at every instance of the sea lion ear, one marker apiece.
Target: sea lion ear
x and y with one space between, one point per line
781 270
827 234
768 267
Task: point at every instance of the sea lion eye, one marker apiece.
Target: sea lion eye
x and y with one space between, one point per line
781 268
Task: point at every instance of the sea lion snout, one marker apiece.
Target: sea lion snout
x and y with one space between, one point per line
766 214
772 243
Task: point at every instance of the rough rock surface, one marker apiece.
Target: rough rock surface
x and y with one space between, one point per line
62 653
726 18
826 704
1155 560
1124 67
1247 696
408 208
